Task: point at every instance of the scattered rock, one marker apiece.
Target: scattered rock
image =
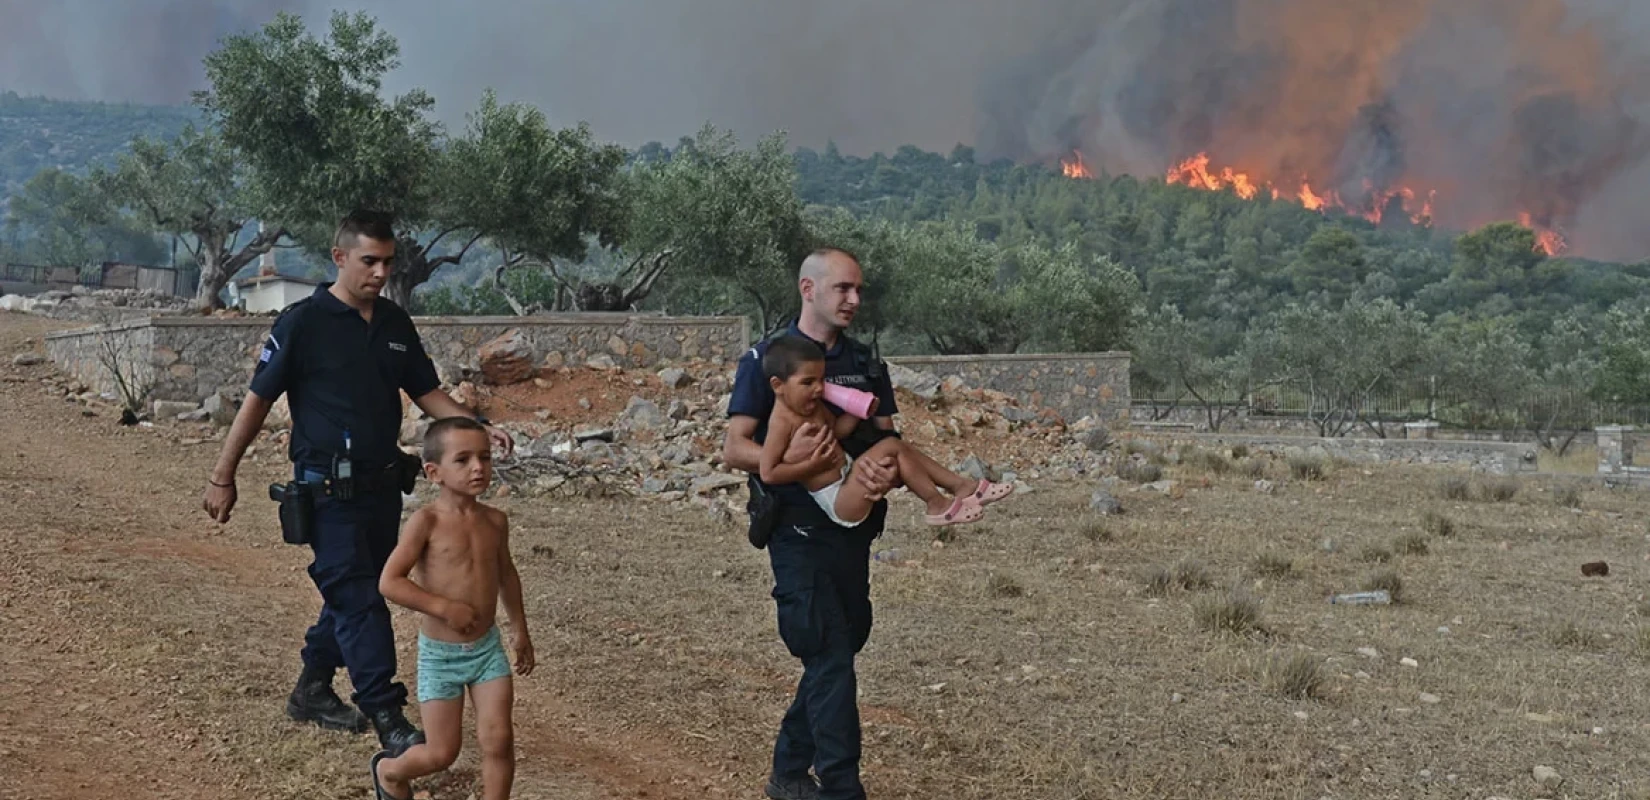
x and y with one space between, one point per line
1265 487
973 467
1547 777
678 410
197 415
642 413
507 359
17 302
1177 698
218 408
1369 652
1095 440
1431 699
27 360
1160 486
1595 569
715 482
1102 502
921 384
170 409
583 435
1017 414
601 361
1409 662
655 486
542 383
674 378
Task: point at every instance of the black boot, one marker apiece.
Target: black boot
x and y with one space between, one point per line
395 733
313 700
803 788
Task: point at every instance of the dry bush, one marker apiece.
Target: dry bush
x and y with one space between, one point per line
1097 531
1240 451
1414 544
1274 565
1297 675
1437 525
1375 554
1568 495
1384 580
1140 473
1003 586
1309 467
1574 635
1211 461
1236 613
1455 487
1253 468
1641 642
1188 575
1500 490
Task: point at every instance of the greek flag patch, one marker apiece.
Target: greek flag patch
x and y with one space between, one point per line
263 357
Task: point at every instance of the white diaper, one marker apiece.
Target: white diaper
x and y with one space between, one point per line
826 497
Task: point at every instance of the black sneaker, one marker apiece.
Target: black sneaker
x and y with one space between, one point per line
803 788
395 733
313 700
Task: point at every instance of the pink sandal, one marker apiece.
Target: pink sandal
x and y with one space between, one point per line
963 510
989 492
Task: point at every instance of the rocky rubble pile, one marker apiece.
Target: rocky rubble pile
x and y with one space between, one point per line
84 303
664 442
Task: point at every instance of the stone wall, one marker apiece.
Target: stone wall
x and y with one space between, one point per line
1492 457
1074 385
189 358
87 356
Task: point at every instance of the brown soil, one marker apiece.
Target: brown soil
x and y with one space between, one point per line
146 652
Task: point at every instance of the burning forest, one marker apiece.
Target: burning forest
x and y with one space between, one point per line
1413 112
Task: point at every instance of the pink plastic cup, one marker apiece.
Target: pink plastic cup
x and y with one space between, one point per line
853 402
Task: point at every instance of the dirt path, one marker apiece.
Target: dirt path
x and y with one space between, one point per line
146 651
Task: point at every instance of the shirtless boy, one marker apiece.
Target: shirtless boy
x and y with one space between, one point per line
461 550
795 367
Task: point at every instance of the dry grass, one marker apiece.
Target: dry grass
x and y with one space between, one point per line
1297 676
1003 586
1384 580
1145 472
1375 554
1097 532
1572 634
1240 452
1275 565
1309 467
1411 544
1499 490
1567 495
1189 575
1455 487
1254 468
1436 524
1235 613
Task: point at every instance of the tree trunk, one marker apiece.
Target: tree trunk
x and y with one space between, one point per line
412 267
214 276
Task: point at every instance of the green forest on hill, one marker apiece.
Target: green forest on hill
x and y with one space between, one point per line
1222 299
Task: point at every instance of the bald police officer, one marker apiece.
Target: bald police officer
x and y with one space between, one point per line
343 356
820 569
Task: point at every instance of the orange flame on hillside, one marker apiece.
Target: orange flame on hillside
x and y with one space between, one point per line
1075 168
1547 240
1195 172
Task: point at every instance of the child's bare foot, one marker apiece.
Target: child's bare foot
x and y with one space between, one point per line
386 788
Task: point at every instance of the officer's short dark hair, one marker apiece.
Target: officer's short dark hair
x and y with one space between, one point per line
787 354
364 224
435 438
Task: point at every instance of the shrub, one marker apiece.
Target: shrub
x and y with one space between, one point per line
1573 635
1003 586
1211 461
1414 544
1274 565
1253 467
1095 531
1309 467
1384 580
1236 613
1437 524
1240 451
1297 676
1500 490
1455 487
1140 473
1568 495
1188 575
1375 554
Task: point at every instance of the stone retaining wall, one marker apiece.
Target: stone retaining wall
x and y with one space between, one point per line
189 358
1075 385
1492 457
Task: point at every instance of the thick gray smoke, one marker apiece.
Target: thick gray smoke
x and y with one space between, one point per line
1501 107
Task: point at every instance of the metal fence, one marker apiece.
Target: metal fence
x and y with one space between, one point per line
109 275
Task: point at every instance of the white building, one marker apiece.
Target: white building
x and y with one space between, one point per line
265 293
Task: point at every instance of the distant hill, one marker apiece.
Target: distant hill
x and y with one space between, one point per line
36 133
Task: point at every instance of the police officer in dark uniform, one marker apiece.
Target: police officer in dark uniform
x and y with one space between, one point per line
343 356
820 569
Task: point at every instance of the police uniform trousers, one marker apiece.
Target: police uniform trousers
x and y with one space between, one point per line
823 593
353 540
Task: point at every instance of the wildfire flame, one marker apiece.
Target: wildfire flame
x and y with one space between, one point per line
1074 167
1547 240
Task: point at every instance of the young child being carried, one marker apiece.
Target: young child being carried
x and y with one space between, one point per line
795 368
461 550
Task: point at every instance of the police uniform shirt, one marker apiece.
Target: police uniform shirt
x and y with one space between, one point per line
753 397
342 374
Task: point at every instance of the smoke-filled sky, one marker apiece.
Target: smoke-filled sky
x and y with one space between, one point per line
1500 106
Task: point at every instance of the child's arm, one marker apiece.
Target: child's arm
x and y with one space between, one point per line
509 589
399 589
774 472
